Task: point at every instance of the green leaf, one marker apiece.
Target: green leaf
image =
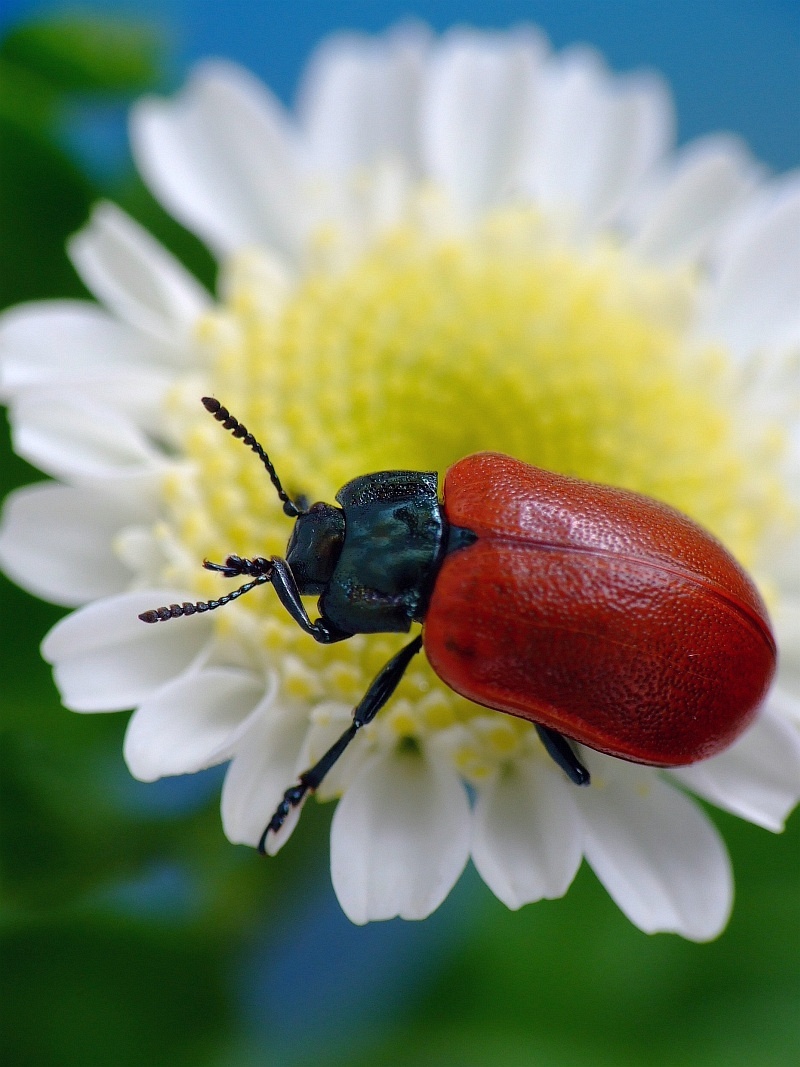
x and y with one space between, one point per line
25 98
43 199
82 54
83 992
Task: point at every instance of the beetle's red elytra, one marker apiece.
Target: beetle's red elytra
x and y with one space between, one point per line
598 612
599 615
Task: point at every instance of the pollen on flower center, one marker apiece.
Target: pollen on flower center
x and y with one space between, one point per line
422 351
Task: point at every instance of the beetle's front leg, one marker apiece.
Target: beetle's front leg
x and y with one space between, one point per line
278 572
286 588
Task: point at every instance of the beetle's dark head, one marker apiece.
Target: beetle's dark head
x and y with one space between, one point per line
315 546
312 553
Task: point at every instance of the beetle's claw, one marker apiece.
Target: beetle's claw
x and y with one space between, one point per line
222 568
291 798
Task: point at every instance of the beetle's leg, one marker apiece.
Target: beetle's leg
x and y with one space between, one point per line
381 688
282 579
236 565
286 588
562 752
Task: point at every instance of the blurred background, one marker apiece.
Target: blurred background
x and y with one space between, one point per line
132 933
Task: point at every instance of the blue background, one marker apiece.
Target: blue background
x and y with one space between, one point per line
732 64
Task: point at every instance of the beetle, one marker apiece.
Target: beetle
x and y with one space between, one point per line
600 615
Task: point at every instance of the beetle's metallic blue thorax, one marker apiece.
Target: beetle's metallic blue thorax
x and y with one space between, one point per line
394 535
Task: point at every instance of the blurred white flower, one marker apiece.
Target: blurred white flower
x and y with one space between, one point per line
455 244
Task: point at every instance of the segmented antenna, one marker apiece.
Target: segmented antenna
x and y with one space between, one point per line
221 414
175 611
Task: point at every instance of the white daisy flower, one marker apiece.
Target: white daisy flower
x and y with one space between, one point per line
458 244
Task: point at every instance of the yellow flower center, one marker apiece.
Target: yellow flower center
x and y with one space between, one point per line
425 349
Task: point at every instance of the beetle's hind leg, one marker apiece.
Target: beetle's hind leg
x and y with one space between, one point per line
560 750
381 688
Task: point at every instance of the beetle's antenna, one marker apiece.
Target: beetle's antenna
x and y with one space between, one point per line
221 414
175 611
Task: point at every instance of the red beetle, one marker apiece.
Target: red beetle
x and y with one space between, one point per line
598 614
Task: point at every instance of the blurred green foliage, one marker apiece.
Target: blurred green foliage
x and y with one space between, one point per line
47 70
126 925
74 54
85 978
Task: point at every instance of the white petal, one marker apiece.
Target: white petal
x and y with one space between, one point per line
71 341
193 722
136 277
221 158
264 766
79 347
639 127
709 179
756 299
476 120
69 436
400 838
786 705
360 99
654 850
757 778
138 396
57 542
145 553
786 619
596 136
526 840
106 659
